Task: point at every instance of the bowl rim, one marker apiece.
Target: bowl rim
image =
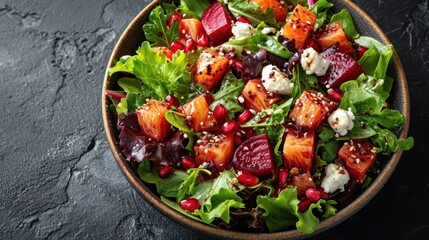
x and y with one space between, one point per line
342 215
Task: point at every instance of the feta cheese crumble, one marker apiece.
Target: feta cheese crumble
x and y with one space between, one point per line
275 81
268 30
312 62
341 121
336 178
242 30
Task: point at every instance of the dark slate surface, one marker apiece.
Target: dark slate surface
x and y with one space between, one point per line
58 177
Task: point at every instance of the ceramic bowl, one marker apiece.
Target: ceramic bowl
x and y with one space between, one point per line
131 39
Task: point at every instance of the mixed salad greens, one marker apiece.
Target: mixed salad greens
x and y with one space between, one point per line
256 115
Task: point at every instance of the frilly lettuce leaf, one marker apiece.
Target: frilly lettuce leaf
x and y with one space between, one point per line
220 196
159 75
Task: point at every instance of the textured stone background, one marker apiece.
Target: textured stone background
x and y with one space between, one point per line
58 177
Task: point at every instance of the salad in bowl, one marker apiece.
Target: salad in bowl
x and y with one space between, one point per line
256 115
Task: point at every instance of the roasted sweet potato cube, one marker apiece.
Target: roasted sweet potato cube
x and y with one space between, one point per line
311 108
151 118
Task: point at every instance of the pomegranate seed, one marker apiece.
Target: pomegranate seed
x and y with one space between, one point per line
208 97
190 45
303 205
230 127
220 112
172 100
202 39
190 204
174 16
244 117
312 194
247 179
334 94
244 19
165 171
176 46
187 162
282 175
360 51
323 194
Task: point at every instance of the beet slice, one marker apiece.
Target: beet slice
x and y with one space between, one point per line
217 22
255 155
342 67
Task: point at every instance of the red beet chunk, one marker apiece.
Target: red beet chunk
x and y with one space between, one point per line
255 156
342 68
217 22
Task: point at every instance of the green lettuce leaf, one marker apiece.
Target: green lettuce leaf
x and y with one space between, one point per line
376 60
346 21
167 187
282 213
320 9
192 8
159 75
188 185
156 31
252 11
218 198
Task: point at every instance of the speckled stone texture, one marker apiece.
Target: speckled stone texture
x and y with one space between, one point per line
58 177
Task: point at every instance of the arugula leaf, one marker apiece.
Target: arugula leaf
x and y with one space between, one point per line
346 21
193 8
160 76
188 185
282 213
252 11
156 31
167 187
230 89
178 122
320 9
257 41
